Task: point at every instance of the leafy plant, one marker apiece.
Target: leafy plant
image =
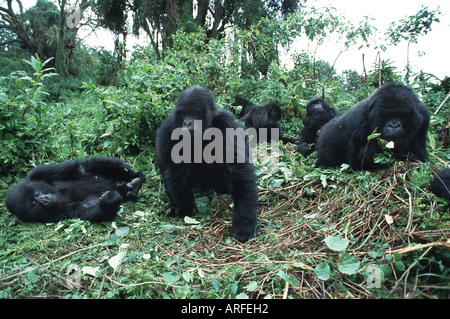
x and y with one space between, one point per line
410 28
24 132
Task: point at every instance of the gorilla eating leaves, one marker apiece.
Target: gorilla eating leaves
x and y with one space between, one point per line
84 189
318 113
231 171
261 117
394 111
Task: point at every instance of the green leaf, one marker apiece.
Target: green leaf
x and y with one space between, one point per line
431 140
373 136
242 295
233 288
336 243
120 232
323 271
115 261
190 221
323 179
283 276
92 271
216 284
188 276
302 266
169 278
348 264
399 265
252 286
32 277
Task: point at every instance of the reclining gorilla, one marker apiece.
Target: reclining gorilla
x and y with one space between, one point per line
261 117
84 189
318 113
196 108
394 111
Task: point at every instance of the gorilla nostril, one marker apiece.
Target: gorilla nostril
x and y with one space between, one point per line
188 124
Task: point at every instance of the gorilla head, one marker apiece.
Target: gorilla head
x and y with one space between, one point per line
318 113
394 111
263 117
193 104
45 201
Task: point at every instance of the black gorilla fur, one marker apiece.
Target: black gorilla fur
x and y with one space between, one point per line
441 184
237 179
394 111
84 189
318 113
265 117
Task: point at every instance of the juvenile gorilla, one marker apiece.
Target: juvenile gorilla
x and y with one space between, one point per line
84 189
318 113
441 184
265 117
196 106
394 111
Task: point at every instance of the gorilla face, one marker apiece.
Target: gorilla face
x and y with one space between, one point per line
39 197
192 105
316 108
396 118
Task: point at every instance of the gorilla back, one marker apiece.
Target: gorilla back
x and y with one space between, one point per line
394 111
196 108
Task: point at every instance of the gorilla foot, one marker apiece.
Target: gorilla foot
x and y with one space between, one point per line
243 236
133 187
172 211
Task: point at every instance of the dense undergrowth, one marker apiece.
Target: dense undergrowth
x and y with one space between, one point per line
324 233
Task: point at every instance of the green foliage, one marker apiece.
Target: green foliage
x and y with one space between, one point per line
24 132
9 62
383 72
412 27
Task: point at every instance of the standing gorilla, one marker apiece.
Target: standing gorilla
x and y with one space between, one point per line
394 111
318 113
441 184
197 114
84 189
261 117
